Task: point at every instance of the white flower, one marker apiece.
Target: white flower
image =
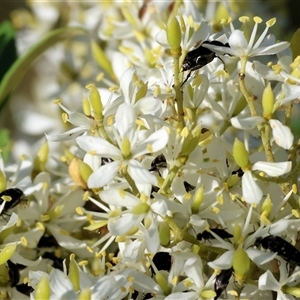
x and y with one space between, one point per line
122 222
240 47
125 133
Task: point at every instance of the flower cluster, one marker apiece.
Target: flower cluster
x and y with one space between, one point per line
171 181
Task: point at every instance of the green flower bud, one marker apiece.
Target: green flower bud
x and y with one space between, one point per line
241 265
164 234
95 100
291 290
198 198
3 184
55 211
266 207
41 158
142 208
191 140
74 273
126 148
85 294
268 102
173 33
160 279
232 180
7 252
241 155
237 233
43 290
207 294
86 106
84 170
79 172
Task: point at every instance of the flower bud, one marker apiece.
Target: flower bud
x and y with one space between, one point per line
3 184
95 100
86 106
268 102
139 209
241 155
73 273
41 158
85 294
191 141
266 207
79 172
43 290
160 279
198 198
208 294
7 252
291 290
173 33
164 234
241 265
126 148
237 233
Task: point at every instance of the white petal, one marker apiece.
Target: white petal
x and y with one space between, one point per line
238 43
148 105
200 35
273 169
161 38
155 142
119 198
268 282
79 119
98 146
104 175
125 120
193 269
273 49
266 71
246 123
251 191
223 262
259 257
282 134
59 282
152 237
66 136
160 207
139 174
292 92
122 225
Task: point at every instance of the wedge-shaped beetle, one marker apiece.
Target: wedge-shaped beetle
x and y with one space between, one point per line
12 197
222 281
283 248
199 57
206 235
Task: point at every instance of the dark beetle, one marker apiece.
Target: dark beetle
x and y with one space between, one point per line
14 273
162 261
222 281
158 162
206 235
200 57
12 197
283 248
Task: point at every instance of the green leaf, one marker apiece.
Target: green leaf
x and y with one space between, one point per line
8 50
101 58
5 144
20 67
295 43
